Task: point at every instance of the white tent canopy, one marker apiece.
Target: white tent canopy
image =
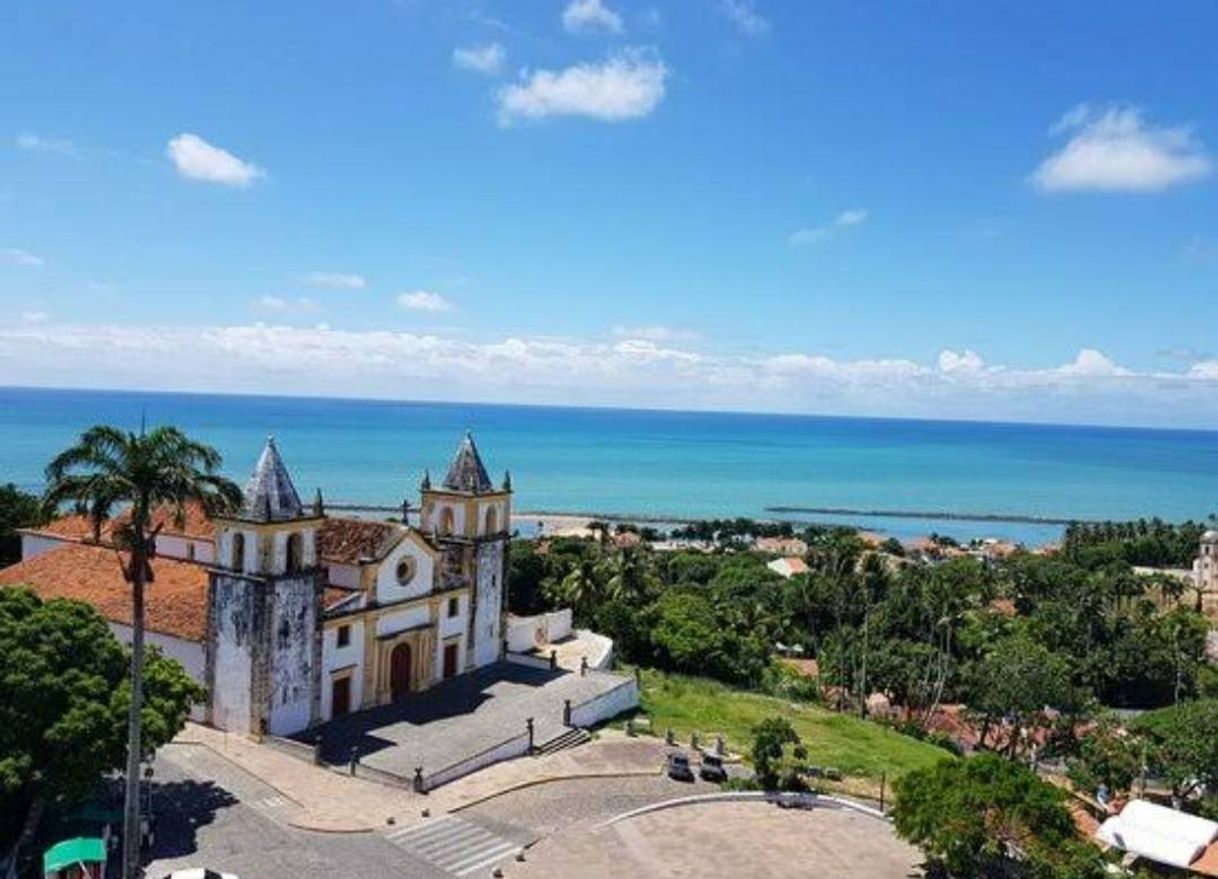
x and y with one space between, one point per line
1159 834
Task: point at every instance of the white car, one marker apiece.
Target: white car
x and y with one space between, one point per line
199 873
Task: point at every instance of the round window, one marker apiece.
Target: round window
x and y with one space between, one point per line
406 570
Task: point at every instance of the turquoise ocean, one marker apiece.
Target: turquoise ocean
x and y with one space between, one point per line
669 464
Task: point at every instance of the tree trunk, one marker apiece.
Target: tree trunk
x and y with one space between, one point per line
131 810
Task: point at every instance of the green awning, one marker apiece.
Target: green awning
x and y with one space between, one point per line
83 849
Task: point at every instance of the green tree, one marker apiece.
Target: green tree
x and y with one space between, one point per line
986 816
526 571
64 699
1017 680
1184 747
1108 755
771 738
158 468
18 509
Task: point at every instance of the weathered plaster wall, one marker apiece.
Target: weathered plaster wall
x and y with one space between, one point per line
489 604
36 544
344 575
436 516
292 669
189 653
233 618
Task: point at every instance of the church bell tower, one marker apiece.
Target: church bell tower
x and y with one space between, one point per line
264 608
470 521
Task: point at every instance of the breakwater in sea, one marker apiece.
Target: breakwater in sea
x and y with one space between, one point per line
671 466
946 516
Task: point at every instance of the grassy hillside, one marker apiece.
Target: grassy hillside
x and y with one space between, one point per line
857 747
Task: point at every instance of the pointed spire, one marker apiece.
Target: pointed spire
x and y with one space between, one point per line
466 473
405 511
269 493
319 505
507 480
426 484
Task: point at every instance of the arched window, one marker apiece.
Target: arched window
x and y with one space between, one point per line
446 521
238 551
295 553
492 520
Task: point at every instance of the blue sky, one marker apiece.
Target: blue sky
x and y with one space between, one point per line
1000 210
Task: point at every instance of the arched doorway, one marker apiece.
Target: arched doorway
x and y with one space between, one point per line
399 671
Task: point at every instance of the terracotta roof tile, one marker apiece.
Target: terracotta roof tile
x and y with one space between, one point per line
176 600
348 540
195 522
71 527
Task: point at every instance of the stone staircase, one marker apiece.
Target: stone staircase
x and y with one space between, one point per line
568 739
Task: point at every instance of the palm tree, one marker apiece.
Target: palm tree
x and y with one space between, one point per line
146 471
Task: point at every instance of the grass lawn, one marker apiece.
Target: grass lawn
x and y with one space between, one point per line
856 747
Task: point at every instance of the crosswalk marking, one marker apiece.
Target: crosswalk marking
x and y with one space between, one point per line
453 844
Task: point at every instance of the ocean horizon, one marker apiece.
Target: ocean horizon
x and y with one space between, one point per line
670 464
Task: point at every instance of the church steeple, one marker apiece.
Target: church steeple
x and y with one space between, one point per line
467 473
269 494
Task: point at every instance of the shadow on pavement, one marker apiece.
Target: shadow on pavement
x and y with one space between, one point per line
180 809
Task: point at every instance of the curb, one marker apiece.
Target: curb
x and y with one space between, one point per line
806 800
336 831
550 779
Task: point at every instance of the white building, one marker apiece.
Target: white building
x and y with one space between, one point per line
290 617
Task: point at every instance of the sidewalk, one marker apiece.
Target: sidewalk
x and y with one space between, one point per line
334 803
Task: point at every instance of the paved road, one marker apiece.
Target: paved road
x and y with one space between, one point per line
211 813
545 809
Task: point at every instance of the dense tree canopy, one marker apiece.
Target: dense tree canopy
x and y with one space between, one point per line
986 816
18 509
64 694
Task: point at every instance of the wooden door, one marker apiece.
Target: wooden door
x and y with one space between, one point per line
340 697
399 670
450 660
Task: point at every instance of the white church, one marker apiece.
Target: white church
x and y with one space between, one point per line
290 617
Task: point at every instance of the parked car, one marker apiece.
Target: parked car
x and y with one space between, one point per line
678 767
712 768
199 873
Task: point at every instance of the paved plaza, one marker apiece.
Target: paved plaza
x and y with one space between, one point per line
459 718
725 840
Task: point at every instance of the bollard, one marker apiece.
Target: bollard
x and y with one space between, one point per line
317 758
583 666
553 660
566 712
353 761
529 723
418 779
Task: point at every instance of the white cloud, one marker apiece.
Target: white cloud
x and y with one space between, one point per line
628 85
816 234
34 317
1093 364
488 59
336 280
282 305
197 159
963 361
656 333
745 17
280 358
424 300
37 143
582 16
1117 150
18 257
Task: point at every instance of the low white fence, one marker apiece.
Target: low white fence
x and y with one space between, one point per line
514 747
528 659
609 704
529 633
